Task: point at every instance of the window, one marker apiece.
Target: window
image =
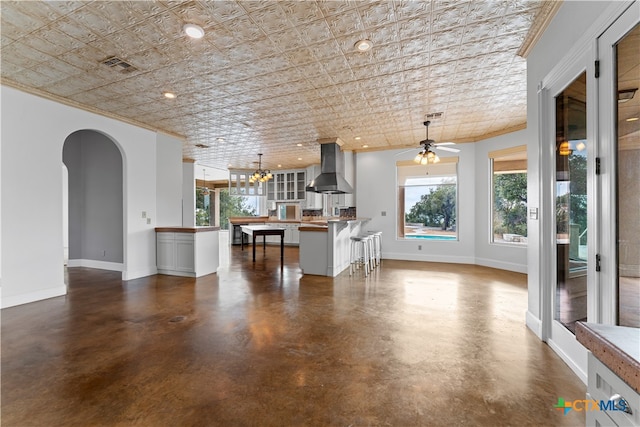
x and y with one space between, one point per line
427 200
509 195
232 205
203 206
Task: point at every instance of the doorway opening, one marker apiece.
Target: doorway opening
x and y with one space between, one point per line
94 219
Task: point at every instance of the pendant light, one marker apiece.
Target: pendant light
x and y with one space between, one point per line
205 192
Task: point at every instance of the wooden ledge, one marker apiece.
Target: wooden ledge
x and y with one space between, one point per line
185 229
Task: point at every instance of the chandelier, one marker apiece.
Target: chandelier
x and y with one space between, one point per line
260 175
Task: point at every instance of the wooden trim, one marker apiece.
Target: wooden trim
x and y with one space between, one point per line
185 229
401 211
541 22
512 166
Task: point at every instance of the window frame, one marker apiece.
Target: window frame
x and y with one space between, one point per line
492 156
445 162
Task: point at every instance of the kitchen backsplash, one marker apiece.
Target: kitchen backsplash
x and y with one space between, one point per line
311 214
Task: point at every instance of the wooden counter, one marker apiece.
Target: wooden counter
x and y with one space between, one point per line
313 228
185 229
245 220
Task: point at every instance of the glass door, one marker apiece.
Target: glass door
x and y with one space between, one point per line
628 178
571 204
619 135
569 154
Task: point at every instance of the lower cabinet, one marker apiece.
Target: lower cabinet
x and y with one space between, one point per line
605 387
175 252
187 254
291 234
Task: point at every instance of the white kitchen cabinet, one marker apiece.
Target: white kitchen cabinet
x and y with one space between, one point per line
287 186
175 252
313 200
602 385
295 235
190 252
291 234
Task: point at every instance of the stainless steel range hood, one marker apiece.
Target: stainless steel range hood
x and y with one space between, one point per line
331 179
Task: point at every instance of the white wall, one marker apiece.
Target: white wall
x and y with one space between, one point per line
376 178
168 181
33 132
573 20
188 194
506 257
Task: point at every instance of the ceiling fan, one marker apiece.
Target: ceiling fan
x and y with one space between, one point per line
427 155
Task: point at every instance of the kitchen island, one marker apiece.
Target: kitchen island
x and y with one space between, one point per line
187 251
325 249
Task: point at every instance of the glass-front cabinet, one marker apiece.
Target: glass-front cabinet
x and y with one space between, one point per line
287 186
300 185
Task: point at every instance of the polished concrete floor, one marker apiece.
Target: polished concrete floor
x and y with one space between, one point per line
415 344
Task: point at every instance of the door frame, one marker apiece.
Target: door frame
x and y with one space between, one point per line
607 138
580 58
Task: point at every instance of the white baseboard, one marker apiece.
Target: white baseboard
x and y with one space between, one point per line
11 301
92 263
534 324
130 275
569 361
501 265
428 258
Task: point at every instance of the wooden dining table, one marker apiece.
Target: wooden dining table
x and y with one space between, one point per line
264 231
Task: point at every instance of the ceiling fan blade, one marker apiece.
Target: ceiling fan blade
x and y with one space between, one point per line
406 151
445 143
453 150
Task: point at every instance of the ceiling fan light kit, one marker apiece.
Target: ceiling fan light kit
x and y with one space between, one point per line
427 156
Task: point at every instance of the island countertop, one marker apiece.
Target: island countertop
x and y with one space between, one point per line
617 347
319 228
185 229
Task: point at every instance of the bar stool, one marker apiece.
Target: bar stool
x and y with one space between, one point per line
360 254
376 237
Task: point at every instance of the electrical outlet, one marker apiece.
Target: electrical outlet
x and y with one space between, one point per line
148 220
144 214
383 213
419 247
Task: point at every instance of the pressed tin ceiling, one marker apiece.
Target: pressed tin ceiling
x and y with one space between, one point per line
275 77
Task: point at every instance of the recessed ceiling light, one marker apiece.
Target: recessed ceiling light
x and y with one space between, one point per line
279 166
363 45
194 31
169 95
357 138
299 145
299 158
365 146
632 119
220 139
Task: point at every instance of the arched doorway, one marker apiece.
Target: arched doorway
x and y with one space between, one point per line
95 201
